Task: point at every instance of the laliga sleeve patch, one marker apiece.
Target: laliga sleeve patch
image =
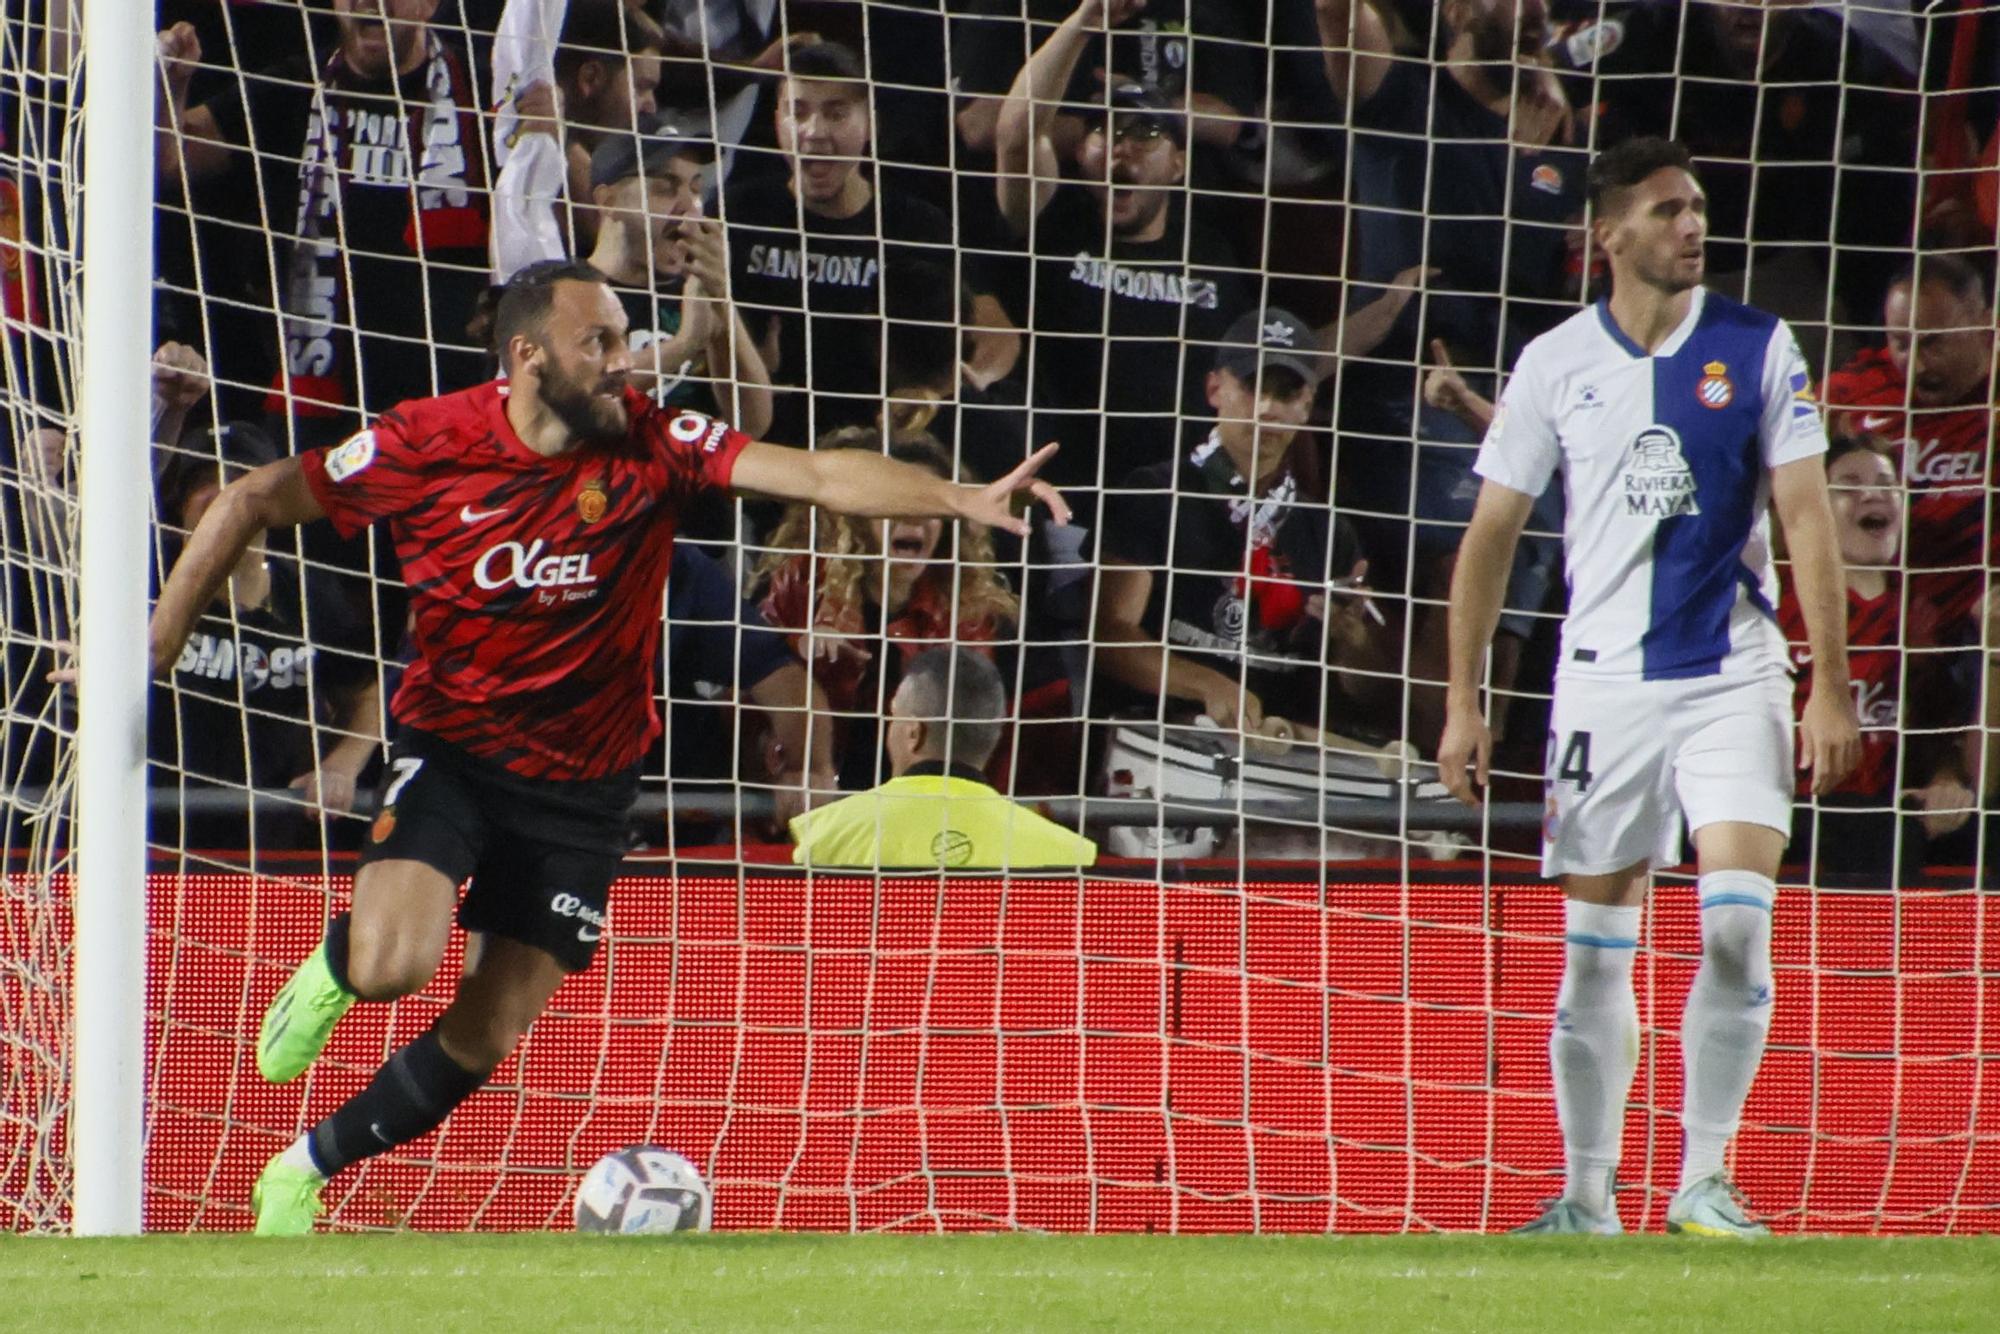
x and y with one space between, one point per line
351 456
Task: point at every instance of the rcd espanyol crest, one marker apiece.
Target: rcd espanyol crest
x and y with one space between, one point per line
1715 389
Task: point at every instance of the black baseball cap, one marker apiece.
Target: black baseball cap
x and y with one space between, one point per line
1142 101
1274 337
214 454
660 139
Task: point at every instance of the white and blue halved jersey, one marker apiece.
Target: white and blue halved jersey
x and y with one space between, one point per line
1666 461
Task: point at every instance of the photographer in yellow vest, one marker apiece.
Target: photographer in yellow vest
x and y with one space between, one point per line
939 812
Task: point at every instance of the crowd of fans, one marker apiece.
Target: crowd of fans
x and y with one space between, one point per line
1258 265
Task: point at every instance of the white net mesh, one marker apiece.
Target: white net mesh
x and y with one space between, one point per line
1303 990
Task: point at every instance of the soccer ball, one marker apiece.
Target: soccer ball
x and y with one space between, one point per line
643 1190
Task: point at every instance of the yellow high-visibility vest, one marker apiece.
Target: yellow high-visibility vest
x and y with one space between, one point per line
931 820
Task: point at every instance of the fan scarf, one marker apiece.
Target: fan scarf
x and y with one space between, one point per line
318 378
1277 601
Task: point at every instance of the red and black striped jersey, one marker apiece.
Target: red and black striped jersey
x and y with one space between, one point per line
1944 455
1875 642
535 583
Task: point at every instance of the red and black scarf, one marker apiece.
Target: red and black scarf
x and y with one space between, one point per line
1276 600
448 212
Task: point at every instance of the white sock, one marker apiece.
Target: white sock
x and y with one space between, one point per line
299 1155
1728 1015
1594 1047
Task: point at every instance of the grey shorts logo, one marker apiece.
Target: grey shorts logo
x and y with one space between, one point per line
569 905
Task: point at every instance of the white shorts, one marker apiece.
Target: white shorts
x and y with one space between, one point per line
1627 758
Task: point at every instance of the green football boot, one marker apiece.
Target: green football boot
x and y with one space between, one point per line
300 1020
286 1200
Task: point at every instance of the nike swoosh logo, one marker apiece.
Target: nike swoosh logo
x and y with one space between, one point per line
467 514
1875 421
375 1129
588 936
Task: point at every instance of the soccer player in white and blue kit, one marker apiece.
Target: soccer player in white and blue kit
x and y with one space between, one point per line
1679 420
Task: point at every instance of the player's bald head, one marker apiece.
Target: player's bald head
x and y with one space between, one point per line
529 298
1938 330
562 334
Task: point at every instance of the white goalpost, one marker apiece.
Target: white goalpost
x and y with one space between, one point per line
114 510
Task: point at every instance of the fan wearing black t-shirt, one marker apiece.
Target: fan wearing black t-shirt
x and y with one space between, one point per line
607 68
373 170
1226 590
1472 164
1805 136
811 254
276 660
1205 53
669 268
719 654
1124 278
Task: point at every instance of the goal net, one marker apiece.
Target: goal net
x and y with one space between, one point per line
1301 989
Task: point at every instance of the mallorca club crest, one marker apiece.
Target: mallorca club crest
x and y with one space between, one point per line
1715 389
592 501
1658 482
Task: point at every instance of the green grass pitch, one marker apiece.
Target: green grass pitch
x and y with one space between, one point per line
387 1283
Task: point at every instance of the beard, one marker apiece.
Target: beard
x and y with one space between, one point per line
590 417
1495 41
1671 277
1149 204
358 34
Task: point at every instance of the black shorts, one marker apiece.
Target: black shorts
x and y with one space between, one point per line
541 853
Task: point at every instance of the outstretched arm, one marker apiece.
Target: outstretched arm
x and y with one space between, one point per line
274 496
1356 43
1022 142
1357 332
1829 733
1478 586
873 486
187 140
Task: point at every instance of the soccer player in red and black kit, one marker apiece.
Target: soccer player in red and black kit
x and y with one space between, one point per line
1929 390
535 522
